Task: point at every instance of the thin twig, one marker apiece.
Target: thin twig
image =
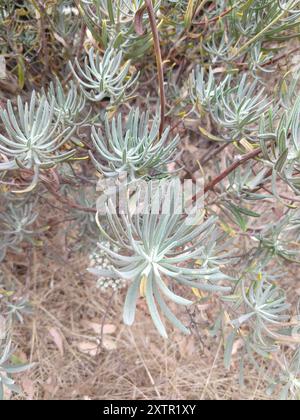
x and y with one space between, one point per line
67 202
238 162
214 19
152 381
44 43
160 70
211 370
212 153
283 196
108 307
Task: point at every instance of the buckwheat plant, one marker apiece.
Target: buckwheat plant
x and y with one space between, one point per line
69 105
33 137
11 309
164 249
16 226
104 77
135 149
235 106
115 23
160 93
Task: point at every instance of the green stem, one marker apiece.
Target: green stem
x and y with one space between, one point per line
257 36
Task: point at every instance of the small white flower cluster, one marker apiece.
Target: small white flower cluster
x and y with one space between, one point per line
108 283
99 259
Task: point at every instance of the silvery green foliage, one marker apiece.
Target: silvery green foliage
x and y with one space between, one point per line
180 3
288 378
219 47
258 309
259 59
243 184
12 307
221 6
16 226
256 17
280 239
159 250
119 11
265 19
105 77
288 89
134 148
235 105
69 105
284 157
84 222
112 22
5 9
17 308
239 195
203 92
66 19
237 43
265 305
7 369
33 136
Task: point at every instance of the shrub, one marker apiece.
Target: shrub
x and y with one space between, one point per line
106 107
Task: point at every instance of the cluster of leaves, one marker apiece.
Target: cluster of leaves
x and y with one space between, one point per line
17 223
100 117
162 244
135 149
12 309
113 23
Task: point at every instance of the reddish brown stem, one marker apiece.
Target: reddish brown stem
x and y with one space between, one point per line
160 70
68 203
238 162
215 19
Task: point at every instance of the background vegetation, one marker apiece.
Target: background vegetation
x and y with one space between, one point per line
164 90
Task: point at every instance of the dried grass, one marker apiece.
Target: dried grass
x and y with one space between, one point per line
73 362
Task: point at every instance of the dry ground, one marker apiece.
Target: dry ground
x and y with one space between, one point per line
83 350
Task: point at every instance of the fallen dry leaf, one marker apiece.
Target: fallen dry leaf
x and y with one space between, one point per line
109 344
57 338
109 329
97 328
88 347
